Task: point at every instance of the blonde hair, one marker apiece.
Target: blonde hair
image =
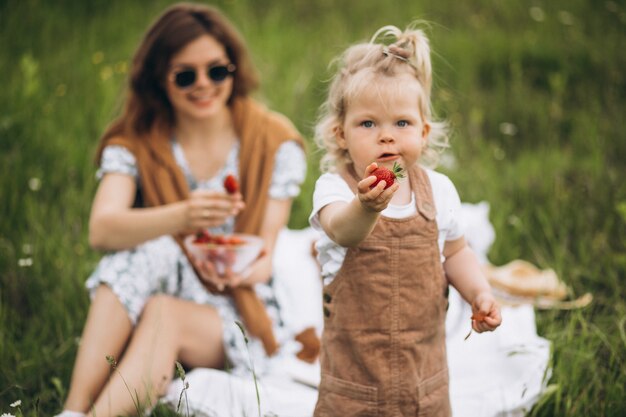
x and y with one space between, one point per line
356 67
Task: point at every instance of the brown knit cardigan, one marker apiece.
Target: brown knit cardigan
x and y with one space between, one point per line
260 133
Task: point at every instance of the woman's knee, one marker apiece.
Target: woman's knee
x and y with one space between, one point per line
160 302
106 308
160 308
104 292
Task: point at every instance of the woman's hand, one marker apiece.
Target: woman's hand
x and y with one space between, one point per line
210 208
209 273
258 271
375 199
485 313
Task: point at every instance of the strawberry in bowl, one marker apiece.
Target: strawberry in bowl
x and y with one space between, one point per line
226 252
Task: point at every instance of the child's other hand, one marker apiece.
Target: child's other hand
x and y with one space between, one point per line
375 199
485 313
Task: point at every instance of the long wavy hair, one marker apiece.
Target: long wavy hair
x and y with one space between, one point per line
147 105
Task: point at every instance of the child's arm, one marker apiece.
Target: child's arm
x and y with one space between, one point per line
349 223
465 274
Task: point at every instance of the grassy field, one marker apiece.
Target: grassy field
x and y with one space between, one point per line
535 91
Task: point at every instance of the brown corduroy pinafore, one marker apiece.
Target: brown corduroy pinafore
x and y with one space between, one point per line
383 345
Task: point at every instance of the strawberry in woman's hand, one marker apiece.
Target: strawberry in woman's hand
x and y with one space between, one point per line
231 184
202 236
389 176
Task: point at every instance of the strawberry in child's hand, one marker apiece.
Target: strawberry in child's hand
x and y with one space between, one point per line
230 184
478 317
389 176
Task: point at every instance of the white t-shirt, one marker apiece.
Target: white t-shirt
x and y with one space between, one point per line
330 187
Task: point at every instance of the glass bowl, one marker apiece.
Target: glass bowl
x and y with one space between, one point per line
235 252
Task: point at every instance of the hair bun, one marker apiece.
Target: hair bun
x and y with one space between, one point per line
400 50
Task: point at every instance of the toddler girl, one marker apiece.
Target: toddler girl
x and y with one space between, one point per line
388 251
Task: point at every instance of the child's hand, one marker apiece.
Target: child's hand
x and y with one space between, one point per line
375 199
485 313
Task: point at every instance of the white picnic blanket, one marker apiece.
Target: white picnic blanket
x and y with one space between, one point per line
495 374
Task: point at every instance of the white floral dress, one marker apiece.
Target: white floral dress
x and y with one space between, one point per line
159 266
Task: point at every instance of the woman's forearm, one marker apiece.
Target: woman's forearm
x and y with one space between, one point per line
275 219
126 229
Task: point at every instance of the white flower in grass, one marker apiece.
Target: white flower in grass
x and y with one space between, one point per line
7 415
537 14
24 262
508 129
514 221
16 403
34 184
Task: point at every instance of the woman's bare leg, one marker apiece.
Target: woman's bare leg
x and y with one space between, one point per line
168 329
106 332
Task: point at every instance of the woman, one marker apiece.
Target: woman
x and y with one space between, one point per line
188 123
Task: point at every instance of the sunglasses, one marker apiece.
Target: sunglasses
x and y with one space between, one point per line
217 74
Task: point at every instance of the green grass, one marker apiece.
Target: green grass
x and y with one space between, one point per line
550 72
